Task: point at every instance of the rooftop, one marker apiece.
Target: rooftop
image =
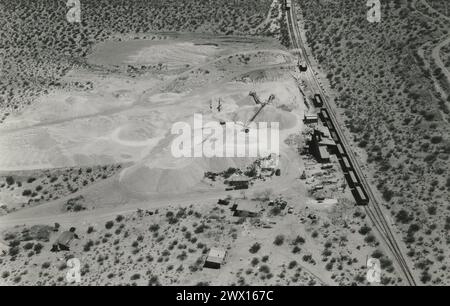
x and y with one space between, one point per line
216 255
324 153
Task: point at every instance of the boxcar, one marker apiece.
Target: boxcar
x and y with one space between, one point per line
360 196
334 136
318 102
345 163
352 180
340 150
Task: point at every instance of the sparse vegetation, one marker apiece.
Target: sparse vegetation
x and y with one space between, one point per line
381 90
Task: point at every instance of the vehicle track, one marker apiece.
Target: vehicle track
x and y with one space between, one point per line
373 209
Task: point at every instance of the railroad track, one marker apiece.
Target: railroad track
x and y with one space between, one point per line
373 209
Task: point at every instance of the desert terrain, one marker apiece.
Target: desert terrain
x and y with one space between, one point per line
87 112
394 104
125 120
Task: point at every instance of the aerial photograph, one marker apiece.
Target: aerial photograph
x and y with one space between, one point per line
227 144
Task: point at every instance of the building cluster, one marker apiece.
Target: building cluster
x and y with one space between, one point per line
324 141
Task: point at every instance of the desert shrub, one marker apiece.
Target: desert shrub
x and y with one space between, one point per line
88 245
307 257
432 210
154 228
377 254
254 261
201 228
28 245
264 269
255 248
436 139
26 193
403 216
387 194
425 277
370 239
14 243
109 224
14 251
385 263
279 240
38 247
10 180
364 230
299 240
153 281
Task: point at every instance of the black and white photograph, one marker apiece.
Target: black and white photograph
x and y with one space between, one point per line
225 149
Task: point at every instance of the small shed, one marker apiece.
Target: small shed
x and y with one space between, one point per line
215 258
238 182
64 240
245 209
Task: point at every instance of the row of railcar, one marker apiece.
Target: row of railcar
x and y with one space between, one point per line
357 189
287 4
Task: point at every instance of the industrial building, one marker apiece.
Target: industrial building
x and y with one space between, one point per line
357 189
238 182
321 144
64 240
308 119
323 155
245 209
215 258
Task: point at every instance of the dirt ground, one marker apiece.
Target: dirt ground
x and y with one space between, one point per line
154 220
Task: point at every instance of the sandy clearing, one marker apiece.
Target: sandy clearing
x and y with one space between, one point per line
125 120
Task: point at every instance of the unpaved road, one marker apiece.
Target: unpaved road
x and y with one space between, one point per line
436 54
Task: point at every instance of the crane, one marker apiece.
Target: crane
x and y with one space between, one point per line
257 102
